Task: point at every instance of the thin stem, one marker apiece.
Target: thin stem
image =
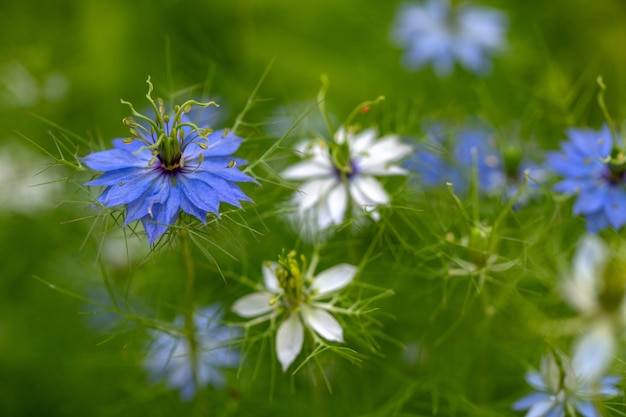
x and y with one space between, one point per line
190 330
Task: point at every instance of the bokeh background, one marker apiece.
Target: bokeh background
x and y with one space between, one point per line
71 61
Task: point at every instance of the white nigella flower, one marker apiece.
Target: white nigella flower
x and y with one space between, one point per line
596 289
340 174
560 391
296 296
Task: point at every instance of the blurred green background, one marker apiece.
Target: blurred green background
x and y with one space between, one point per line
70 61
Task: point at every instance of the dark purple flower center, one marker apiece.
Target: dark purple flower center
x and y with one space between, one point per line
614 176
346 172
171 165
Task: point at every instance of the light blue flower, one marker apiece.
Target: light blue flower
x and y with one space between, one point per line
171 359
438 33
559 391
169 164
591 173
449 157
437 161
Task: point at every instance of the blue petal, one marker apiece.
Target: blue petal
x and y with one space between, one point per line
164 215
153 230
226 191
124 193
590 200
587 409
530 400
615 208
230 174
116 176
220 145
556 411
190 208
200 194
142 207
597 221
113 159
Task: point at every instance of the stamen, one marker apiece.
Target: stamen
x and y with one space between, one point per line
232 164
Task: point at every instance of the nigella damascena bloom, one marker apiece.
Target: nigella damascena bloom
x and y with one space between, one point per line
341 174
172 359
453 157
560 391
437 161
296 297
438 33
593 168
596 288
169 164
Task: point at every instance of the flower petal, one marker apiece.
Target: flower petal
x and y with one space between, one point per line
323 323
336 204
367 192
530 400
269 277
587 409
541 408
254 304
333 279
306 170
593 352
289 339
582 289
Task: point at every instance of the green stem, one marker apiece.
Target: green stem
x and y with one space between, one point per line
190 330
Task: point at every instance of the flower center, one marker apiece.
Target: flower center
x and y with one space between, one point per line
290 274
167 135
343 164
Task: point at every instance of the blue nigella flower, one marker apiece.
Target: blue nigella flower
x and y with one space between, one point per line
171 358
452 157
593 169
560 391
169 164
438 162
440 33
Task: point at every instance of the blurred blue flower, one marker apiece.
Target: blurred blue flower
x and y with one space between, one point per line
438 161
440 33
167 165
590 173
559 391
170 357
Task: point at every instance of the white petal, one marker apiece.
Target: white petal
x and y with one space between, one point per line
593 351
323 323
367 192
332 279
363 141
382 153
551 372
582 289
336 203
341 135
387 170
269 277
307 170
289 339
312 192
254 304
